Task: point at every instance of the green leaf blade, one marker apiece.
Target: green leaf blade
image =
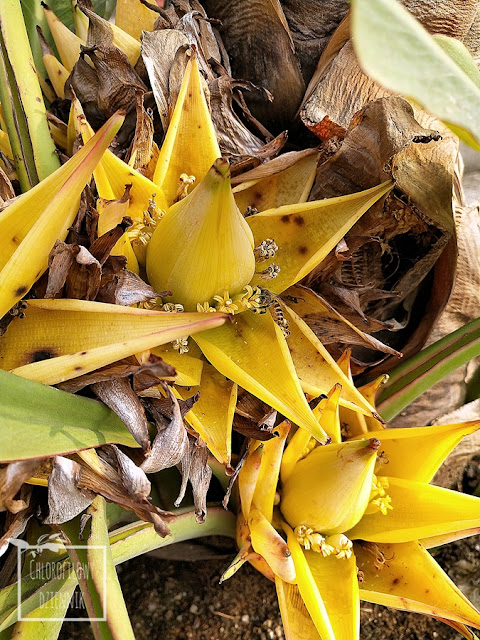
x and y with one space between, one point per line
42 421
395 50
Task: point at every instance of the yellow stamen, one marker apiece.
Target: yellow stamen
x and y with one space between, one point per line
205 308
265 250
270 272
181 345
379 500
343 546
311 540
185 182
225 303
171 307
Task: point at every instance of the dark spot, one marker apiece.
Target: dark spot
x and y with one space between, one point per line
396 580
285 219
189 94
427 590
199 126
287 553
60 72
15 240
83 353
299 220
302 249
42 354
38 99
78 368
257 196
21 291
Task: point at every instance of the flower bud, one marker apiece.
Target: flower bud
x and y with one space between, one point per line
203 246
328 491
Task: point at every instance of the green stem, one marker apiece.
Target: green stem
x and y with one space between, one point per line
22 102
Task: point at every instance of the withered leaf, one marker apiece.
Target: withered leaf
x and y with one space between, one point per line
110 485
118 394
126 288
165 59
16 523
261 49
65 500
84 276
154 366
12 477
251 429
59 263
133 478
103 245
194 468
171 442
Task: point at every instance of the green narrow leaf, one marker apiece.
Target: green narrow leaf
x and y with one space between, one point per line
104 575
396 51
49 422
420 372
127 542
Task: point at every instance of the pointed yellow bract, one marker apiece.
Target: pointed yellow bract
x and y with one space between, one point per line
190 146
306 233
419 511
410 579
32 223
289 186
202 247
113 175
317 370
57 74
188 366
297 623
416 453
67 43
133 17
271 546
111 213
252 351
62 339
329 490
342 601
308 589
212 414
264 495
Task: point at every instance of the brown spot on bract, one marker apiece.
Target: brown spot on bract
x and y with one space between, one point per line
21 291
302 249
78 368
42 354
299 220
285 219
38 99
396 580
83 353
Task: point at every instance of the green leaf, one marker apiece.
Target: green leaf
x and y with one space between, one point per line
127 542
420 372
49 422
396 51
104 8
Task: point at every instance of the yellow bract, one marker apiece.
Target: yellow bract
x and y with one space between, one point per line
202 247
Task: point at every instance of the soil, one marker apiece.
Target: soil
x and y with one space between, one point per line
169 599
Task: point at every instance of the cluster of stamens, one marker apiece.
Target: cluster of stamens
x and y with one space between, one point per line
265 250
379 500
180 344
337 544
185 182
141 232
270 272
225 303
205 308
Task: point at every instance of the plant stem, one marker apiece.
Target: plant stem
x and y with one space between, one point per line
22 102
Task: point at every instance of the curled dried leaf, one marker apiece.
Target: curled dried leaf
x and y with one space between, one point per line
195 469
126 288
12 477
171 442
118 394
15 523
65 500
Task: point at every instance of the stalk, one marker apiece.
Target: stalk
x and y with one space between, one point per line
22 102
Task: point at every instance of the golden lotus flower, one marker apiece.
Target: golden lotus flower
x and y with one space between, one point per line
191 238
359 517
